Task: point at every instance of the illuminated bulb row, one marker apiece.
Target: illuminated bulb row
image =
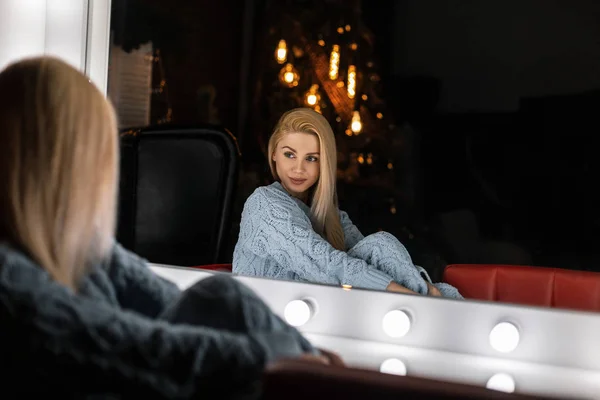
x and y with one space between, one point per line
500 382
397 323
504 337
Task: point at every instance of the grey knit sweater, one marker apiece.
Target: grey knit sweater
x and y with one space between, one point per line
108 341
277 241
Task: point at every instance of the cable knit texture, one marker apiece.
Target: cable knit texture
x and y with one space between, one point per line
118 336
277 240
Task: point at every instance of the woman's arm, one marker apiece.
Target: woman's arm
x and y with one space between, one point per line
138 287
275 225
351 233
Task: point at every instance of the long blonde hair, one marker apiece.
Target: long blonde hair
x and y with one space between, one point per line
58 167
324 204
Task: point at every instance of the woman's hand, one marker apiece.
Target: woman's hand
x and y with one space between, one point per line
326 358
394 287
433 291
334 358
313 358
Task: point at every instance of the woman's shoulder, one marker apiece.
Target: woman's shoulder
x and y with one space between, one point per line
273 202
18 271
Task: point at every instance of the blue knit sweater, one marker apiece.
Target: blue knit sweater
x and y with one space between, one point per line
108 337
277 241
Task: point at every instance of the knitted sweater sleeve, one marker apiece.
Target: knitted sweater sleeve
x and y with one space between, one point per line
276 226
91 346
137 287
351 233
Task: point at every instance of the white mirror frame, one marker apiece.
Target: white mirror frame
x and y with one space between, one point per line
558 354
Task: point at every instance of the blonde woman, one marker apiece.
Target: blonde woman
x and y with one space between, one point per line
80 316
293 229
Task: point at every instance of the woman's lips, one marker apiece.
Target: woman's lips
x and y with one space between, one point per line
297 181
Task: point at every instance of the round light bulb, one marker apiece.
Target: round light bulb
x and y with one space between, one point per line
289 77
396 323
311 99
393 366
502 383
504 337
298 312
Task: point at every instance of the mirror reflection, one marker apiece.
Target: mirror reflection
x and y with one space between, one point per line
408 146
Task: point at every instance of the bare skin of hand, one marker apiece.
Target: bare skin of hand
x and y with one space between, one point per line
394 287
334 358
312 358
433 291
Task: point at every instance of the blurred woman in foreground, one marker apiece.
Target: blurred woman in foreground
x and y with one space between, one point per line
79 314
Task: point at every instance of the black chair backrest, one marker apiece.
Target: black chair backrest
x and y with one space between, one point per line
176 193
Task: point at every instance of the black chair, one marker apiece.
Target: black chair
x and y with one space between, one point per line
176 193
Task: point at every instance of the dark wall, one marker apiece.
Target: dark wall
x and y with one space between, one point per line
488 54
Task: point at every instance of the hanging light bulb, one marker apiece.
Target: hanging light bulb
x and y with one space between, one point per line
289 76
312 96
351 86
334 62
281 52
356 124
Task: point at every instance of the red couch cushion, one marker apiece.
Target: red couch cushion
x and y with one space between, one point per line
215 267
537 286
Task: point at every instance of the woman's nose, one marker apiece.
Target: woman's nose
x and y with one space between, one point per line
299 165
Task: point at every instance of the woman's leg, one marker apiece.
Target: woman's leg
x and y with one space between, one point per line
383 251
387 254
221 302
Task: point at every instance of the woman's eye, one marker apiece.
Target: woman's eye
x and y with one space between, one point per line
288 154
312 159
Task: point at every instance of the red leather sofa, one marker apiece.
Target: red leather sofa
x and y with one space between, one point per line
535 286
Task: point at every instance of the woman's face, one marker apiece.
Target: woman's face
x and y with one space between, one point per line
297 163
